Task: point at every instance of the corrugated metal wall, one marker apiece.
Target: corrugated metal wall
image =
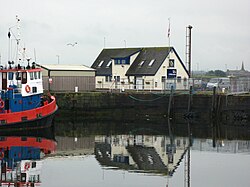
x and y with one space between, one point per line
68 83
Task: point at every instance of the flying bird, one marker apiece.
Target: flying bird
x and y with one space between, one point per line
72 44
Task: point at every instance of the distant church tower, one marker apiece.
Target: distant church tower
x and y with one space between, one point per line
242 66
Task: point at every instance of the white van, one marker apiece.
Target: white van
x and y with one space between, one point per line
221 83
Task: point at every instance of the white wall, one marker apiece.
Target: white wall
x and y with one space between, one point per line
150 82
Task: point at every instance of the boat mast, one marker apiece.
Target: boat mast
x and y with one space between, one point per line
19 53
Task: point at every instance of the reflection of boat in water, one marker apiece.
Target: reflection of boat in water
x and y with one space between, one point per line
22 156
22 101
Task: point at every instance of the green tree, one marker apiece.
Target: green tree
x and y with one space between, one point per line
216 73
219 73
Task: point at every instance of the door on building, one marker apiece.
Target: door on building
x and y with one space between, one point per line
139 83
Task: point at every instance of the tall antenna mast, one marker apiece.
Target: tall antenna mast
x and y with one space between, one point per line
169 33
188 49
104 42
18 40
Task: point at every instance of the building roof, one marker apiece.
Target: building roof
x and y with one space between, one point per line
64 67
107 55
141 65
152 58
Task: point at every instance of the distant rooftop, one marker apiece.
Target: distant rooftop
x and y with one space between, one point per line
66 67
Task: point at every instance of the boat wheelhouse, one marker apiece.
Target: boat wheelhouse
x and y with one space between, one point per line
21 99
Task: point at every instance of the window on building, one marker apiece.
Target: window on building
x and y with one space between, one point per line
178 143
122 60
179 79
108 78
117 78
171 63
100 64
155 84
151 62
109 63
141 63
163 78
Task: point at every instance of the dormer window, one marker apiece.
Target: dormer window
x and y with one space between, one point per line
122 61
109 63
141 63
100 64
151 62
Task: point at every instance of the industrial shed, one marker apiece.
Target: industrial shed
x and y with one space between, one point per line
68 78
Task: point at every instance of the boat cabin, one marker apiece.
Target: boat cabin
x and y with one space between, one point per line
21 88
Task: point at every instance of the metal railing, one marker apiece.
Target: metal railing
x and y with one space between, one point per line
232 86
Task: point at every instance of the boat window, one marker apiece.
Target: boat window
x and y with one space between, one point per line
4 75
31 76
24 77
35 75
39 74
18 76
33 165
10 75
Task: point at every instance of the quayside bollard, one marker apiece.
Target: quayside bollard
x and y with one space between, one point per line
190 98
170 102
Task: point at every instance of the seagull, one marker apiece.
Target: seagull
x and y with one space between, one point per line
72 44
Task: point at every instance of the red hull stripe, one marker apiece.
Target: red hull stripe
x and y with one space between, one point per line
33 114
48 146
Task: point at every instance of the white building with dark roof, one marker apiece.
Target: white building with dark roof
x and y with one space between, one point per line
152 68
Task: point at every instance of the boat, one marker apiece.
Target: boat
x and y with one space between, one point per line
22 155
22 98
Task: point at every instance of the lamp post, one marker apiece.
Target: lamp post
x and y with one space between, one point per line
58 58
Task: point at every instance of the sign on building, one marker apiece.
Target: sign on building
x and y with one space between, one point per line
171 73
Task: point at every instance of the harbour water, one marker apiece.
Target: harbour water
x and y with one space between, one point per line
117 153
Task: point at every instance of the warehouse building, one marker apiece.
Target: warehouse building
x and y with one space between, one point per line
68 78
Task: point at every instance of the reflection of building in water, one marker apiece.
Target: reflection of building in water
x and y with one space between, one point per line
20 160
75 145
156 154
223 146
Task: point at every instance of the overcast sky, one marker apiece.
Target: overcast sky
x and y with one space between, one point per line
220 34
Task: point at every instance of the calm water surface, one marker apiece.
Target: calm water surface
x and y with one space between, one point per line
108 154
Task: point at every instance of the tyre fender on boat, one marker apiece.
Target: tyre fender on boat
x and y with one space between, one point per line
27 88
27 166
1 155
1 104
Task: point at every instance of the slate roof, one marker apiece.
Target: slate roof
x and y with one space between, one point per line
158 54
107 54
